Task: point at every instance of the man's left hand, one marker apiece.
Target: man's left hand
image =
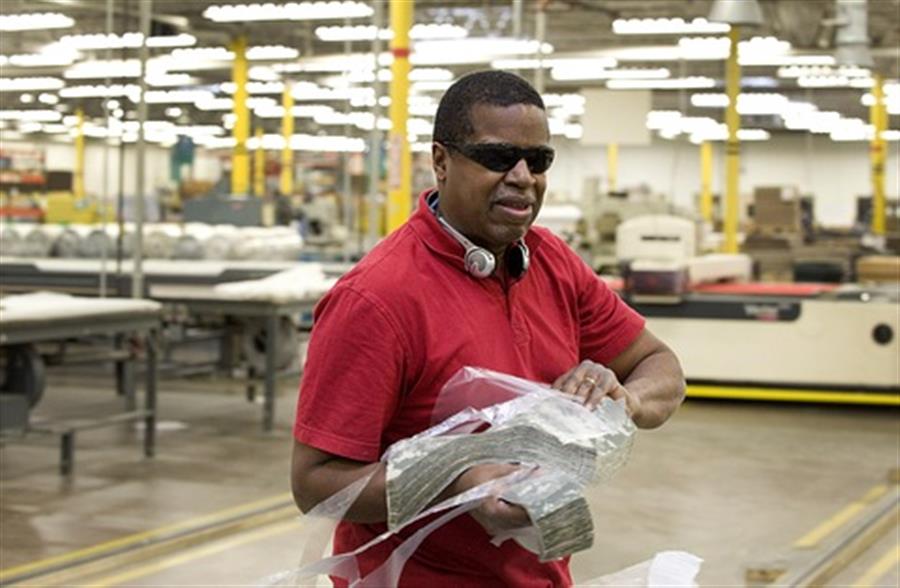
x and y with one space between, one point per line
590 382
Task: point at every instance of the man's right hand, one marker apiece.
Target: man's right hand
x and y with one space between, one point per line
494 514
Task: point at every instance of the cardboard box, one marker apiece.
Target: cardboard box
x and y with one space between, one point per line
878 268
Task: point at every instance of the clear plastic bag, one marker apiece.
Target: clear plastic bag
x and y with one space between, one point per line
482 416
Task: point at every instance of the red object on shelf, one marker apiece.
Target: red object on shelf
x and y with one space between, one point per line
22 212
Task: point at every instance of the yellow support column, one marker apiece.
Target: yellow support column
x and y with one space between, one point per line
78 179
612 166
240 160
399 158
878 151
706 169
733 146
286 180
259 166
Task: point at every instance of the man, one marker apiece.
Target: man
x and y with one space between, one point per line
465 282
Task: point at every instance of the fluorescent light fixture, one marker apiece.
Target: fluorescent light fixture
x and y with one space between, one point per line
890 135
419 87
565 100
211 102
175 96
271 52
520 63
418 31
51 55
290 11
132 91
667 26
31 115
26 98
255 87
54 129
567 73
662 119
262 73
173 111
302 111
752 104
29 84
474 50
162 80
798 71
125 41
46 98
891 101
35 21
113 68
670 84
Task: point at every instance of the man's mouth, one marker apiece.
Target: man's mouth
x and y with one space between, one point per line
517 208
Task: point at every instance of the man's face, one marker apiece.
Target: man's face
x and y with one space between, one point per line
493 208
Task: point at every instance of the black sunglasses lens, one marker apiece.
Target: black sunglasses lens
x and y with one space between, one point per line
498 158
539 160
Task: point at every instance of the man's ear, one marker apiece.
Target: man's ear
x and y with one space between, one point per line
439 160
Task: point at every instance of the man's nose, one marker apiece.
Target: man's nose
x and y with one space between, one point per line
520 175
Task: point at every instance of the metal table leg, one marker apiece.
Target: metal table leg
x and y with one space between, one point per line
150 396
271 350
67 452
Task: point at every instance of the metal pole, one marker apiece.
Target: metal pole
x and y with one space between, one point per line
259 166
79 155
348 204
286 181
706 169
540 33
240 160
733 146
400 161
374 222
612 166
878 150
104 254
137 283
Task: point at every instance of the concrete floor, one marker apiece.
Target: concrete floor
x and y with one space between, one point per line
734 483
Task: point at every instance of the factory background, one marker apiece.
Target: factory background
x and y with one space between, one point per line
181 182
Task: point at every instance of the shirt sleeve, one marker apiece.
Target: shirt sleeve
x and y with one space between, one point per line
353 377
607 325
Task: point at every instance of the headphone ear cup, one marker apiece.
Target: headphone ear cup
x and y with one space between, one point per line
480 262
517 259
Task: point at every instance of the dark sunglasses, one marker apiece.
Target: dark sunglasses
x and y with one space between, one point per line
502 157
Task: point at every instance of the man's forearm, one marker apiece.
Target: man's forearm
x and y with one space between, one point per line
325 479
658 382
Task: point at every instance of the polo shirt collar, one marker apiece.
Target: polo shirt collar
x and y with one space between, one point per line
438 240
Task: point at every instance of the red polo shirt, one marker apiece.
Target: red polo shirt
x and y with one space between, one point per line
396 327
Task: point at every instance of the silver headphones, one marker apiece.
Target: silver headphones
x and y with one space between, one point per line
480 262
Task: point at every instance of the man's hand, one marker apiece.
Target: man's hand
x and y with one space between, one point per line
494 514
590 382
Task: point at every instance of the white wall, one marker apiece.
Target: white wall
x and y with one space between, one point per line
835 173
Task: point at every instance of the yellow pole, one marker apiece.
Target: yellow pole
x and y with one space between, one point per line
878 150
240 161
400 160
78 180
286 181
612 166
706 170
733 146
259 166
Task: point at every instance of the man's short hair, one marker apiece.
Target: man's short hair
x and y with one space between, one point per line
453 122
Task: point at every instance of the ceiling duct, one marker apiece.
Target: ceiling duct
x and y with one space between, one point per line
852 38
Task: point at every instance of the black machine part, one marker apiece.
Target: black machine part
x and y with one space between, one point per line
22 372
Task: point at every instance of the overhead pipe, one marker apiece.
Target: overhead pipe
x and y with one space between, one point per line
137 282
